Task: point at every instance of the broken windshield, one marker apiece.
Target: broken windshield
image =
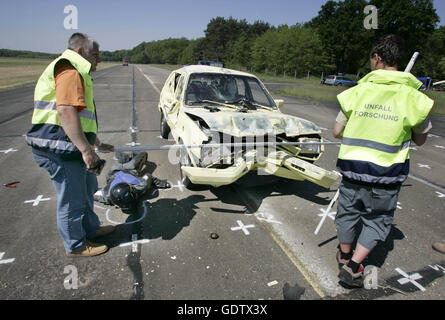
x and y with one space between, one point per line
226 89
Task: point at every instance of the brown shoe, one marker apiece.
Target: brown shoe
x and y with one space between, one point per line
439 246
88 249
103 231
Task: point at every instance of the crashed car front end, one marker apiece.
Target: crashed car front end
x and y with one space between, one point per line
243 142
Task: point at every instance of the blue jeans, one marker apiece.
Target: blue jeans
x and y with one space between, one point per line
75 188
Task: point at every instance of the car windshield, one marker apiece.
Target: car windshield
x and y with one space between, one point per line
226 89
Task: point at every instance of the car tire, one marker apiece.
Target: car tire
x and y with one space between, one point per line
164 128
184 160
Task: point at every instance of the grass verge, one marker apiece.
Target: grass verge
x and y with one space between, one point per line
17 72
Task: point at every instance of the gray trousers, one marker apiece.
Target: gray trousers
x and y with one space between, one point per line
373 206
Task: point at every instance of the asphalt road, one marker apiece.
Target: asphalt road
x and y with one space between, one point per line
166 252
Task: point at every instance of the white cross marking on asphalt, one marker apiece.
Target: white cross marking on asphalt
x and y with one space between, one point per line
413 148
8 150
242 227
440 147
179 185
327 212
330 214
37 200
430 135
399 205
6 260
410 278
440 194
424 166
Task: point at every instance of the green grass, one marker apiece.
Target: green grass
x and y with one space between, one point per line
439 102
17 72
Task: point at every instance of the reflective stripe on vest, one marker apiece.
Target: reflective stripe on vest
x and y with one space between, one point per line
375 145
381 112
51 105
52 144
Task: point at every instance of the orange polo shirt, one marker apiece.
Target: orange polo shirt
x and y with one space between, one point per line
70 90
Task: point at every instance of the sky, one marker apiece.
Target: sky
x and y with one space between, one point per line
42 25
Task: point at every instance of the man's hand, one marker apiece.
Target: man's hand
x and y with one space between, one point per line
338 130
90 158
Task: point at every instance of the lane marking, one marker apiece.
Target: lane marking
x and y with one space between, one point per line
308 276
149 80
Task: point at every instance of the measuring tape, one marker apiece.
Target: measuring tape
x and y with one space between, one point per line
218 145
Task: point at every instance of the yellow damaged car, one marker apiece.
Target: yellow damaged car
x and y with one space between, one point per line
231 126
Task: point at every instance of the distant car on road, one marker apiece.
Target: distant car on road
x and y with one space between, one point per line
125 62
338 80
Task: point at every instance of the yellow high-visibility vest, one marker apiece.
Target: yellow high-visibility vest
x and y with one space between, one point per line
47 133
381 110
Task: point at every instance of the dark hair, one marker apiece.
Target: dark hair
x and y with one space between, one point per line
390 48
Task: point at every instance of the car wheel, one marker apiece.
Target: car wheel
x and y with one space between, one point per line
165 129
184 160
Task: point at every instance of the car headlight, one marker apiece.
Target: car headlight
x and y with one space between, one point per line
310 148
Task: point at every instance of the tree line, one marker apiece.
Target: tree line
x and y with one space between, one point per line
26 54
335 41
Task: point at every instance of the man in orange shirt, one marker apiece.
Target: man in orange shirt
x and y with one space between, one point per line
65 150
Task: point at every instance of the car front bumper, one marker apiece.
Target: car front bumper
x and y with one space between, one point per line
276 163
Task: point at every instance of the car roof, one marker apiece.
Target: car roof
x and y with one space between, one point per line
210 69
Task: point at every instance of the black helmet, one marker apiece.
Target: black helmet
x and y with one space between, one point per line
123 195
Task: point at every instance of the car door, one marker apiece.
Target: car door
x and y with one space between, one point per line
169 101
177 97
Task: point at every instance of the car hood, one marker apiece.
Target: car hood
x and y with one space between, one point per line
254 123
